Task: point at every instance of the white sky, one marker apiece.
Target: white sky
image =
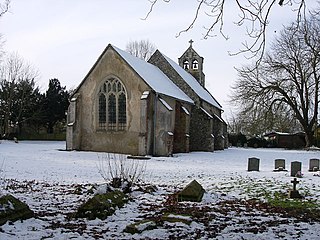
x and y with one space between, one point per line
63 39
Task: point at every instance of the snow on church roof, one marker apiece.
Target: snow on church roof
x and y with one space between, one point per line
193 83
153 76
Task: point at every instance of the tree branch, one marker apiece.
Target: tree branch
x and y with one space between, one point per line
4 7
255 13
194 19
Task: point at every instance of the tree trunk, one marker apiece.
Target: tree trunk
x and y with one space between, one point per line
309 138
50 128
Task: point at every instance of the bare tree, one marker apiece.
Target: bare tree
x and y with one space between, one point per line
253 14
14 72
257 120
4 7
142 49
2 52
287 77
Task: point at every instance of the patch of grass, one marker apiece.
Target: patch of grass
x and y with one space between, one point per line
270 191
280 199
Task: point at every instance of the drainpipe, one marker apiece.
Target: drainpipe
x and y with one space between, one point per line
155 122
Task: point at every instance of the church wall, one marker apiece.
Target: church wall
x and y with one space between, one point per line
165 118
111 64
218 133
73 124
146 135
181 128
218 128
200 131
215 128
211 109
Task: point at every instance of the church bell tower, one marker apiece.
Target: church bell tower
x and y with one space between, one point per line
192 62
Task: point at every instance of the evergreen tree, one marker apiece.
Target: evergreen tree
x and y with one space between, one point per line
56 104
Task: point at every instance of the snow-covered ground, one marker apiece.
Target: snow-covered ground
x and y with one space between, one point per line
54 182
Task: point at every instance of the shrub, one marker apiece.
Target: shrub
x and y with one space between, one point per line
120 171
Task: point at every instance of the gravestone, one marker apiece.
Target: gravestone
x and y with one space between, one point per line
101 205
294 193
279 165
12 209
314 165
253 164
192 192
296 169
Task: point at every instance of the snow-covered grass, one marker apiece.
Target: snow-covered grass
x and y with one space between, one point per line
54 182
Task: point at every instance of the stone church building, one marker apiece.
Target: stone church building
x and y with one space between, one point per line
127 105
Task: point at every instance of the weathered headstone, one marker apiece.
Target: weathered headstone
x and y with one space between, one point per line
253 164
296 169
314 165
192 192
294 193
279 165
101 205
12 209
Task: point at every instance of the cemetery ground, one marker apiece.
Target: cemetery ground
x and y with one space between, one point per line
237 204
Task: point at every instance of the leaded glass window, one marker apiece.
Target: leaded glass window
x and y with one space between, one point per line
102 111
112 106
122 111
112 112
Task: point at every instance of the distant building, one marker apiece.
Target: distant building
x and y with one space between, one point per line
286 140
127 105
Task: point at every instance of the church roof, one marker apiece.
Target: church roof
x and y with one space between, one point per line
193 83
153 76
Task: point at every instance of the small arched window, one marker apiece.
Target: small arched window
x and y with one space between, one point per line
195 64
186 65
112 106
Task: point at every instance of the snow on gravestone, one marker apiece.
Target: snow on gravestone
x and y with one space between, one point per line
314 165
193 192
253 164
296 169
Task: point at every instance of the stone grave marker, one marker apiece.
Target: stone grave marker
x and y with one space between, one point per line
192 192
296 169
294 193
314 165
253 164
12 209
279 165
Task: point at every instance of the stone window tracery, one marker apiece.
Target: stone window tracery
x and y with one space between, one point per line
112 106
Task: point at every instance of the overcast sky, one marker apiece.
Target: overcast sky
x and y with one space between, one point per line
63 38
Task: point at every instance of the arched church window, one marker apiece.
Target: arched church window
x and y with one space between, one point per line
186 65
195 64
112 106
